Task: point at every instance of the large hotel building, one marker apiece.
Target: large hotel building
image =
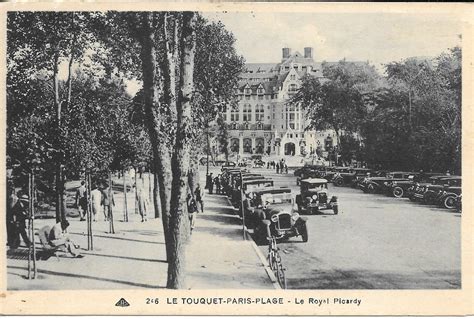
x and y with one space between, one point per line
264 123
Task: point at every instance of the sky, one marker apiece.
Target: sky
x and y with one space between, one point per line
374 37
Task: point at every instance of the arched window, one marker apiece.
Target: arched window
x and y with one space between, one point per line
247 113
259 112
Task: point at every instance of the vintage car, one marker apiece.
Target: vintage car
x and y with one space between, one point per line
310 171
458 203
382 184
258 163
258 199
449 197
248 186
406 188
351 178
280 220
431 193
313 197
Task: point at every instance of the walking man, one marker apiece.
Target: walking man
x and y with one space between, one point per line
96 199
142 201
107 201
81 200
217 181
20 215
198 197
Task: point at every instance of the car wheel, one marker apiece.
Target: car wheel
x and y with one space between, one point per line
304 233
338 182
398 192
335 209
449 202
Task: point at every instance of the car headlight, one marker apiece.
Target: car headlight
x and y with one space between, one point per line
314 197
295 216
274 218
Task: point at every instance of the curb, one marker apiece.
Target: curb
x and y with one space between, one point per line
260 255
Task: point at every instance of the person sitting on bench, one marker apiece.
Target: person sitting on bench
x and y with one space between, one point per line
58 238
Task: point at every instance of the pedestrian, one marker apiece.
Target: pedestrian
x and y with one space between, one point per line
57 238
217 182
107 201
143 204
12 200
286 168
198 197
96 200
211 183
268 164
277 168
20 215
81 200
208 181
192 210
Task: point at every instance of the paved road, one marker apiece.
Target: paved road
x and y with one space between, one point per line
376 242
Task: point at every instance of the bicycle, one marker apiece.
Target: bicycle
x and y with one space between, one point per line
274 261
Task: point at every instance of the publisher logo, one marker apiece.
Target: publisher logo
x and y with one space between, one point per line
122 303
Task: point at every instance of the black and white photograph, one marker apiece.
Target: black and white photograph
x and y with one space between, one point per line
234 150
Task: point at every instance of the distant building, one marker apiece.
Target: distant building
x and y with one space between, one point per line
263 123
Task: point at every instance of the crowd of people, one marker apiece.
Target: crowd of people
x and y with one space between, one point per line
280 166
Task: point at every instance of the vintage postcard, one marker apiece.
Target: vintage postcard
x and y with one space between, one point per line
236 158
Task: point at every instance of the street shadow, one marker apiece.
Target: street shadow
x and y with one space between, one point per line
232 233
125 257
222 209
55 273
125 239
222 219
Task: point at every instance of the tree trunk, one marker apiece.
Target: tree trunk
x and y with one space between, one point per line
59 175
156 122
181 155
156 196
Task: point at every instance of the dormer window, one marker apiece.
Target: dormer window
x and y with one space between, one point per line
260 90
292 77
248 91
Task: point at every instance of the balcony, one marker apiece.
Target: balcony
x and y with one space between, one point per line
250 127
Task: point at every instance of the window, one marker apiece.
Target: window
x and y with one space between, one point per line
247 113
248 91
259 112
234 115
247 97
292 77
292 89
260 90
260 97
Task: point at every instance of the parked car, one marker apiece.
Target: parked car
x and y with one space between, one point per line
449 196
351 177
260 198
309 171
248 185
406 188
431 193
280 220
382 184
314 198
329 173
258 163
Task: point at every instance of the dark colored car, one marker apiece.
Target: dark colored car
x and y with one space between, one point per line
431 193
351 177
382 184
449 197
258 163
309 171
406 188
314 198
281 221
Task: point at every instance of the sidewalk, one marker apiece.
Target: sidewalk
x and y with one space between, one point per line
134 257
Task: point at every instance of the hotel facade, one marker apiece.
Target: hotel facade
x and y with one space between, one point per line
263 122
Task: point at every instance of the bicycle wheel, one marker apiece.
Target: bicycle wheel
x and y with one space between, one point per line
281 276
271 259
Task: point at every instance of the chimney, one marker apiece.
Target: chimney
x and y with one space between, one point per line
308 52
286 53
